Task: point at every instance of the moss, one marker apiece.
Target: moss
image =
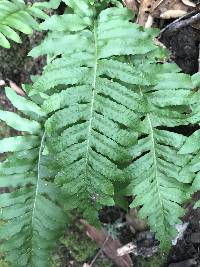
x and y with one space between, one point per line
56 261
151 262
103 262
75 248
81 247
2 262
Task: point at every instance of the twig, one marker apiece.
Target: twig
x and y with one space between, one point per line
182 22
16 88
99 252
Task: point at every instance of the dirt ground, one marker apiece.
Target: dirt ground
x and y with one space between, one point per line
184 47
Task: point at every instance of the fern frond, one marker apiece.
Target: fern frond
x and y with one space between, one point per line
100 105
93 123
30 212
155 176
15 15
191 146
94 114
113 28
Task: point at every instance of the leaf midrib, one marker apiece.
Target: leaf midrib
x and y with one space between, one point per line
37 181
93 95
154 158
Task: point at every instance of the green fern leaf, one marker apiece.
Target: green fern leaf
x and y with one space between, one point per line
191 146
94 116
114 36
24 105
94 106
66 23
82 8
155 172
100 104
97 140
15 15
31 215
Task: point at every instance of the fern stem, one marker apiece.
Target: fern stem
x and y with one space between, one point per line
154 156
38 176
93 92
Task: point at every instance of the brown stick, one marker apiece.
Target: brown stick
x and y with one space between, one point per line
182 22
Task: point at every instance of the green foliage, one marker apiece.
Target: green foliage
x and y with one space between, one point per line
105 111
96 111
155 173
31 210
191 146
15 15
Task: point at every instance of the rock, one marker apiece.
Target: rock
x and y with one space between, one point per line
181 228
186 263
147 235
195 238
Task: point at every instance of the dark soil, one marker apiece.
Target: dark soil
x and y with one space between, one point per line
184 47
189 247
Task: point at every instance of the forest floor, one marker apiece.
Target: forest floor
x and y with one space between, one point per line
76 248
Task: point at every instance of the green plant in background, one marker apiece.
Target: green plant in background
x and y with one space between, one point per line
105 111
15 16
75 244
34 201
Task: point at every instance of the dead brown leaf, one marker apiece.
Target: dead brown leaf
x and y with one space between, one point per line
135 223
165 9
16 88
109 247
132 5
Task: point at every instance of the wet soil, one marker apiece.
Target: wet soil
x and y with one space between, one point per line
184 47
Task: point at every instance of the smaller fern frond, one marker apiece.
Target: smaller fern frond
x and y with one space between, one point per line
155 176
31 215
17 16
191 146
